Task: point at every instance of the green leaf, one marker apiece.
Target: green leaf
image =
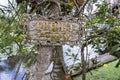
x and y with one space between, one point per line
69 50
29 61
115 48
73 55
67 54
71 46
69 58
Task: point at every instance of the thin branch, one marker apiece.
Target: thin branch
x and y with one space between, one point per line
14 9
5 50
3 6
82 7
23 76
77 6
17 43
83 63
18 68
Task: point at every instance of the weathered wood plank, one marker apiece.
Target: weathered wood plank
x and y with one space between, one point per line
52 32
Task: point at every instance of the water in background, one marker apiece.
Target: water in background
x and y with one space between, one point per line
8 69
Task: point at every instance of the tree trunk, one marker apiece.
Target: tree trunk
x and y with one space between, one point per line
58 71
44 58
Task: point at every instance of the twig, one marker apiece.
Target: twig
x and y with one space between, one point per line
23 76
14 9
82 7
76 4
4 50
17 71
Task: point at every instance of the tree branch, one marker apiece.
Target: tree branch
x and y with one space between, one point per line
82 7
23 76
18 68
77 6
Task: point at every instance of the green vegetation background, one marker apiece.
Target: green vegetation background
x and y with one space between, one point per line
103 73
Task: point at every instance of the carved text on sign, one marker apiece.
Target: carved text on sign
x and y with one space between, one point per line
53 31
52 26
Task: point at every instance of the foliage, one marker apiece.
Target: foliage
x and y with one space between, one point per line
76 60
104 34
12 39
105 38
104 30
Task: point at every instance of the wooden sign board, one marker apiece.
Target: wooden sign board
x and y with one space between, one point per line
53 32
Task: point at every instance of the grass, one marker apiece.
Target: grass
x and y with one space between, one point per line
106 72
